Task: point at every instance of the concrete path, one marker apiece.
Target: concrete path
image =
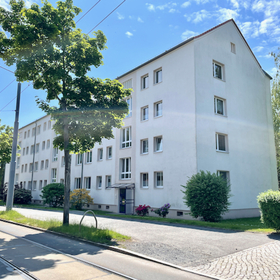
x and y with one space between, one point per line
207 250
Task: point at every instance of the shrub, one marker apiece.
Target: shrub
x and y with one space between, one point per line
53 194
22 196
269 203
163 211
79 198
142 210
207 196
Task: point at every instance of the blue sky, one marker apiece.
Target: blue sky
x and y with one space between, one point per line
139 30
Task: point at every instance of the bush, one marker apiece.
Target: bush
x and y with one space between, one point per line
79 198
53 194
22 196
163 211
142 210
207 196
269 203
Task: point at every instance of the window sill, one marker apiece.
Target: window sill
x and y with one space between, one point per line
125 148
157 83
144 88
144 154
223 152
88 163
145 188
218 79
144 120
156 152
156 117
225 116
159 187
109 158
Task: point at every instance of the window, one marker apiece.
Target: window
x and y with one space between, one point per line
37 147
219 106
126 137
42 165
100 154
46 164
43 145
16 179
30 167
62 161
158 109
29 185
144 146
54 173
55 153
159 179
18 162
28 133
158 144
125 168
36 166
224 175
144 113
38 129
232 48
108 181
79 158
27 150
127 84
129 104
25 167
22 168
45 182
48 144
157 76
23 151
18 151
31 149
24 184
145 81
98 182
109 153
33 131
49 124
77 183
89 157
34 185
88 183
40 184
144 179
221 142
218 70
45 126
25 134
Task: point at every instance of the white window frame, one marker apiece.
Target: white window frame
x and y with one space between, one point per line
38 129
79 159
30 167
37 148
42 164
100 154
216 99
158 147
32 149
89 157
218 144
25 167
158 183
145 113
219 173
49 124
33 131
63 161
126 137
53 175
27 150
77 183
143 146
25 134
46 164
144 179
125 168
40 184
36 167
108 181
34 185
128 84
158 109
55 154
45 126
158 76
43 145
129 103
233 48
22 168
48 144
99 182
108 152
145 81
215 74
45 182
87 183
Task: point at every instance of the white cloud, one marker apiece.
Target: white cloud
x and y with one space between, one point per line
258 6
120 16
5 4
250 29
128 34
198 16
151 7
235 4
273 72
201 1
258 49
28 3
266 24
172 11
186 4
139 19
225 14
188 34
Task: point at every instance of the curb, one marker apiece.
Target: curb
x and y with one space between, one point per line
114 248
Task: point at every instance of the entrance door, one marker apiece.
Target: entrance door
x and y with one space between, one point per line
123 201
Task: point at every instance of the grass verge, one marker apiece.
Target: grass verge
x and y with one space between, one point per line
103 236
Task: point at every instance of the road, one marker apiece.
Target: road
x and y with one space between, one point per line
46 256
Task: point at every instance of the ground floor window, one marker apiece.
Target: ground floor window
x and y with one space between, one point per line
88 182
159 179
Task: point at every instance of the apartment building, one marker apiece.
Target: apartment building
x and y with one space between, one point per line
202 105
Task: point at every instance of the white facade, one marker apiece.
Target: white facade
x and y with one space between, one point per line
203 105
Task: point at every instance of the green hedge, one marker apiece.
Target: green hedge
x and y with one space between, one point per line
269 203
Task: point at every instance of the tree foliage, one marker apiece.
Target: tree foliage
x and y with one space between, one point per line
52 194
21 196
49 50
79 198
207 195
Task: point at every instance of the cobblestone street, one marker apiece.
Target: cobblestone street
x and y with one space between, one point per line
258 263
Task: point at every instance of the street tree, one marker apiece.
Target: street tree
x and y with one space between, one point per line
50 51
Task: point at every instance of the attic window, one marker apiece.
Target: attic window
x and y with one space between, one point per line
232 46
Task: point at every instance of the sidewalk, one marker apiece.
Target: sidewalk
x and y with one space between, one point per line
221 253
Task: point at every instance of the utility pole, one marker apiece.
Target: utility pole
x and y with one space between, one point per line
10 195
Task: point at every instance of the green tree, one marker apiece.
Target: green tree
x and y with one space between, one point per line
275 102
6 141
49 50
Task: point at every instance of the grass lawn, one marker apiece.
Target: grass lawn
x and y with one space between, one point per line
245 224
89 233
